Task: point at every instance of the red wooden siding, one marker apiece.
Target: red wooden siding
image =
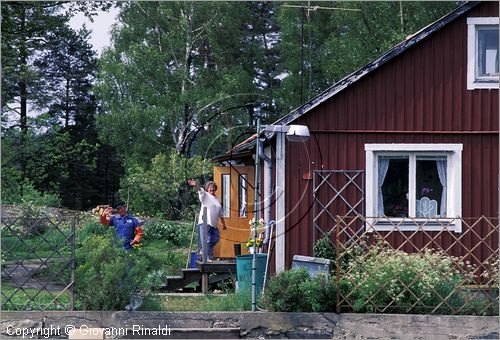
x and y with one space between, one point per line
420 96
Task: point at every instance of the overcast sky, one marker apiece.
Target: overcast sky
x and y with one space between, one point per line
100 27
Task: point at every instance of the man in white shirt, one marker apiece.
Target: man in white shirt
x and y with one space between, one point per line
214 212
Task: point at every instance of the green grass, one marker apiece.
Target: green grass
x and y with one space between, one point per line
240 301
19 301
35 246
165 254
171 258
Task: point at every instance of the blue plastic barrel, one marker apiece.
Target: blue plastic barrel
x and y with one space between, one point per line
244 271
192 259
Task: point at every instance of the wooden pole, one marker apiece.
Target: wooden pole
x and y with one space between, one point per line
204 239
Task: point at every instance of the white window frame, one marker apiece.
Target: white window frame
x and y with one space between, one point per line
225 193
242 193
453 154
472 26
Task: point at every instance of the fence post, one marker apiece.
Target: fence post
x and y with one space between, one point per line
337 264
491 300
72 266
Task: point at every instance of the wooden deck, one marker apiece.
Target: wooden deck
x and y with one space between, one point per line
205 274
218 270
218 266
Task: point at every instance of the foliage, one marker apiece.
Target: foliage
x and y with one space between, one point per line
160 187
411 283
174 77
154 280
320 47
175 232
117 272
239 301
25 193
27 30
227 286
186 78
49 136
324 248
35 219
31 299
257 228
491 269
294 291
320 293
88 230
172 261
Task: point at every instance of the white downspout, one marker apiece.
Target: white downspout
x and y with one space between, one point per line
280 202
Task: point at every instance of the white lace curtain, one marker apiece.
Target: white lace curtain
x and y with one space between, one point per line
383 166
441 168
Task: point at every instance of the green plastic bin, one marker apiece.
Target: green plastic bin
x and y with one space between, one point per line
244 271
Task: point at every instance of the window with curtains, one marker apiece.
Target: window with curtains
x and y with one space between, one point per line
482 53
425 175
413 181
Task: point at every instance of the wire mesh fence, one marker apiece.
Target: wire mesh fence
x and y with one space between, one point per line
424 266
38 263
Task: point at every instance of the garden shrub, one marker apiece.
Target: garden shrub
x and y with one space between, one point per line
409 283
90 229
106 274
324 248
154 280
176 232
295 291
320 293
284 294
26 193
34 221
33 203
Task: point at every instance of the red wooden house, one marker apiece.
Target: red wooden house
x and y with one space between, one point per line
412 135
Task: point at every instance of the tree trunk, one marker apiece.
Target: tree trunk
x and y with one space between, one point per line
187 116
23 93
66 115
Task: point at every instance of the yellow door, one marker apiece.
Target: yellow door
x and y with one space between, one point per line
235 192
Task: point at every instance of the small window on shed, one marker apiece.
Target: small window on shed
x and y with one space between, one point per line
482 53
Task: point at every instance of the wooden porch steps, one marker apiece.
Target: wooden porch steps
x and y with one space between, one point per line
174 283
205 273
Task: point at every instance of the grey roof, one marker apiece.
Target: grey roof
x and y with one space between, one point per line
370 67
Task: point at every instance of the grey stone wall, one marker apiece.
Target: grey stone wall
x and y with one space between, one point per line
255 325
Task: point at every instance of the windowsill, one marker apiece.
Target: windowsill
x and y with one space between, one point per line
412 224
484 84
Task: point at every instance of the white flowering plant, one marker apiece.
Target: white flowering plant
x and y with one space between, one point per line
260 225
395 281
260 228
